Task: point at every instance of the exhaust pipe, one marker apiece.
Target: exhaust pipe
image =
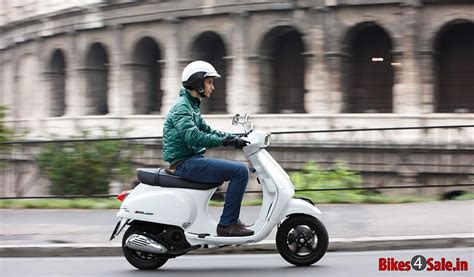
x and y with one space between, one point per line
145 244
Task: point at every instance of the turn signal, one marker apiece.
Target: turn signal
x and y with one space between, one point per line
122 195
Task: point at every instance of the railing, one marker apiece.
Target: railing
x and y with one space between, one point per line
444 153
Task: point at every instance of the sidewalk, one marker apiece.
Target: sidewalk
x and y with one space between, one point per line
351 227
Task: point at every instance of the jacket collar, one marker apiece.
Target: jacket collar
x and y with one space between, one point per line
187 94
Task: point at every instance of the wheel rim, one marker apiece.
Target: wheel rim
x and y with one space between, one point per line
301 240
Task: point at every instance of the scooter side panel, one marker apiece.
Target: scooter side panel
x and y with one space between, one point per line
158 204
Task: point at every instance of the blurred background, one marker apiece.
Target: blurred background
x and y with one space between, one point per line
310 72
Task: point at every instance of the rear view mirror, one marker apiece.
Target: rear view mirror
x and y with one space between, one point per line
235 119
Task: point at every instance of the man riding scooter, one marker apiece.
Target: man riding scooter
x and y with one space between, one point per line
186 137
167 216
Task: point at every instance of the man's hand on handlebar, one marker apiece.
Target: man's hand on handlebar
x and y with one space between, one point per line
237 142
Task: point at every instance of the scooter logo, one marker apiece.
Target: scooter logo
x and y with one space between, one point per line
420 263
144 213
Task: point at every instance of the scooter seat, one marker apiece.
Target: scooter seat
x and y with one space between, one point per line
159 177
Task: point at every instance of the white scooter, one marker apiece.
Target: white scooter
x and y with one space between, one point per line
168 216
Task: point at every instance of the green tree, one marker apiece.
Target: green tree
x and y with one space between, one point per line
86 167
6 133
312 177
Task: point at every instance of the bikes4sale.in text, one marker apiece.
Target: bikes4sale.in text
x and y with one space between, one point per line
419 263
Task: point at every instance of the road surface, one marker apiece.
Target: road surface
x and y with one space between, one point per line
332 264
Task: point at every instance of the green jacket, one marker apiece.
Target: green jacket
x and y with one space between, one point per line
185 133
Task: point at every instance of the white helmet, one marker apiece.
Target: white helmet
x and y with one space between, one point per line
194 74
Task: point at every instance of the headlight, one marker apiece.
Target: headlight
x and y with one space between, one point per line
267 140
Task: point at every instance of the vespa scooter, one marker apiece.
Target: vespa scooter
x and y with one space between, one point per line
168 216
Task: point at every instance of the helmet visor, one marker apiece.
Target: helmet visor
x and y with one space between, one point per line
212 74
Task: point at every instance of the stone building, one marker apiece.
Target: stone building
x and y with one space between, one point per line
294 64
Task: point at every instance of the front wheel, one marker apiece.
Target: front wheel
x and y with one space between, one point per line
302 240
139 259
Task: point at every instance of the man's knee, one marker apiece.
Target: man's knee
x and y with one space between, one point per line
243 170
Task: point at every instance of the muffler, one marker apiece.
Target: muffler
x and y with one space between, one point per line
145 244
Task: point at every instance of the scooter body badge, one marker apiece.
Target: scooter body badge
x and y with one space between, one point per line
143 213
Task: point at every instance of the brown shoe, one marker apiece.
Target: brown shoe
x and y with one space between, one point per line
242 224
233 230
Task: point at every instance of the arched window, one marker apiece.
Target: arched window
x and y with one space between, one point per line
454 68
97 75
210 47
57 83
282 71
368 70
146 68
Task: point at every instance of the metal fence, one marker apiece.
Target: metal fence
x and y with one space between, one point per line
400 158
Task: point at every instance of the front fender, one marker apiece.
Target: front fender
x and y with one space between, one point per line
299 206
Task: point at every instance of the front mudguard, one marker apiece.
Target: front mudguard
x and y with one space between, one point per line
299 206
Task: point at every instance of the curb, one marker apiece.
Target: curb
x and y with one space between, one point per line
266 246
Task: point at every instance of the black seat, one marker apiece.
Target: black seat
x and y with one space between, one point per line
159 177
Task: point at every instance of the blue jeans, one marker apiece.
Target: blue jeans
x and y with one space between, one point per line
211 170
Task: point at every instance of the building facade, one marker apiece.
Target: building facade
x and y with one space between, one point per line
294 64
123 58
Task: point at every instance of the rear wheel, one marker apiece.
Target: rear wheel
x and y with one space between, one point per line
302 240
139 259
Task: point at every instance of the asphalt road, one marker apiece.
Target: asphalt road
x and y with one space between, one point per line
21 227
333 264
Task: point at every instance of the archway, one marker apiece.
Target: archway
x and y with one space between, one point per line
97 75
210 47
369 70
146 70
282 71
57 83
454 68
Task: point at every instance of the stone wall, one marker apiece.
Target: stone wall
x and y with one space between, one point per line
64 68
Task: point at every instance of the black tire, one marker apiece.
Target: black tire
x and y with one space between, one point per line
139 259
302 232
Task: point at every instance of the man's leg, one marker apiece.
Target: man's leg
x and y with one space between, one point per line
211 170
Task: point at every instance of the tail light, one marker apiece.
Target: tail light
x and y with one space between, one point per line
123 195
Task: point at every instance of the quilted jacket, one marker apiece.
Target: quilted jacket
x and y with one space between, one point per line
185 133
